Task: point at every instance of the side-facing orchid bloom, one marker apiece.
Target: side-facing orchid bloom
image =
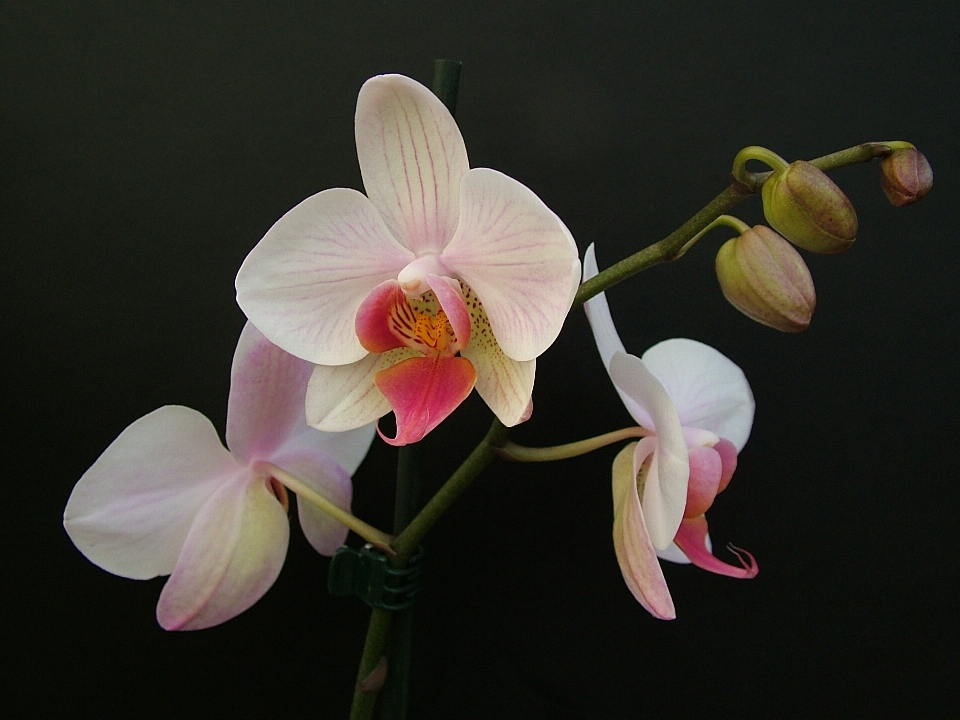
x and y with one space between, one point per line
698 408
166 498
440 279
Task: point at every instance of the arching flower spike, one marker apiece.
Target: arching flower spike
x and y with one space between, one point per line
440 279
699 407
166 498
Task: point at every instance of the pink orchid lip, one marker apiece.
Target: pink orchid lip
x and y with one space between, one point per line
423 391
691 539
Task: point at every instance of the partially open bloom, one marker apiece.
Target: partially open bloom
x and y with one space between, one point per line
698 408
440 279
166 498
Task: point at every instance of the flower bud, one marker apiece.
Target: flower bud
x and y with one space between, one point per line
766 279
808 209
906 176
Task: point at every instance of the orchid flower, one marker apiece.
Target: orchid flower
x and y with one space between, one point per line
698 408
440 279
166 498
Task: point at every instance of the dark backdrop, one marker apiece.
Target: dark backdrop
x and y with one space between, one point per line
146 147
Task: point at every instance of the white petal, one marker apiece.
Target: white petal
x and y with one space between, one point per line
638 562
506 385
665 493
344 397
347 449
606 337
232 555
131 511
518 257
304 281
412 157
673 554
709 391
322 473
267 390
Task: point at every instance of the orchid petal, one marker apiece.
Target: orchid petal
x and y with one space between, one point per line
304 281
518 257
635 554
322 473
344 397
412 157
267 390
423 392
348 448
506 385
374 316
706 468
665 491
692 540
728 458
131 511
708 390
231 557
450 296
607 339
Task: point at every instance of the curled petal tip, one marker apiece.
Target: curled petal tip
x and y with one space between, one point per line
746 559
692 539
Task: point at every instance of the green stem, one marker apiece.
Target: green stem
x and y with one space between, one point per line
367 688
406 543
729 220
671 246
755 152
521 453
396 691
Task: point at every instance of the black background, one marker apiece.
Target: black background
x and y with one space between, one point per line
146 147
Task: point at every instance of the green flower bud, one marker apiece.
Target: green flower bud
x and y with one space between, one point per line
809 210
906 176
762 276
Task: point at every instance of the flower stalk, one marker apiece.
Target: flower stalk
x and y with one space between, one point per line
521 453
375 537
670 248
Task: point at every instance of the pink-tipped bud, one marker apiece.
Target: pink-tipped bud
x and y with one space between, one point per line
766 279
906 176
808 209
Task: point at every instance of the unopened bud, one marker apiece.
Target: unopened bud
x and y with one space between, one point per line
906 176
765 278
808 209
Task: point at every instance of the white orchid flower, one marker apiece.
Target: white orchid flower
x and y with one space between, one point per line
698 407
166 498
440 279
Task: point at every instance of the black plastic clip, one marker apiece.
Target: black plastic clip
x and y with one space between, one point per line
367 572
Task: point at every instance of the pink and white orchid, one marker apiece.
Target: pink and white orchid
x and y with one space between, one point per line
166 498
698 408
440 279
